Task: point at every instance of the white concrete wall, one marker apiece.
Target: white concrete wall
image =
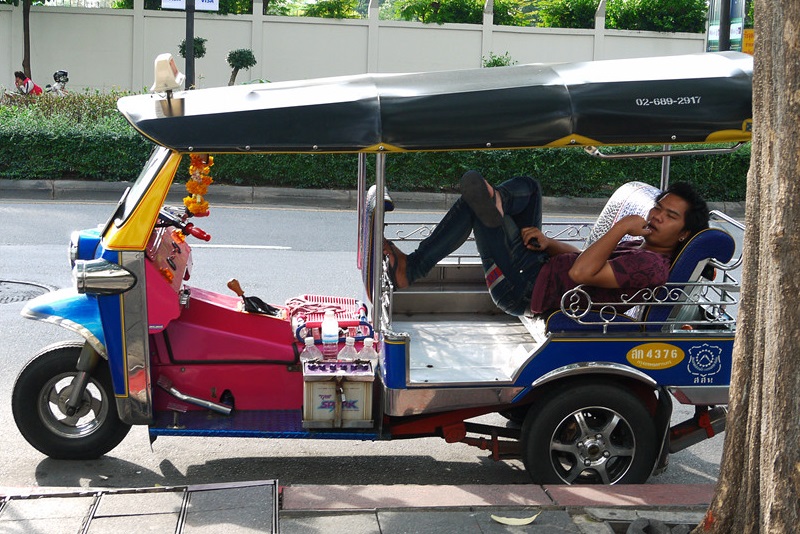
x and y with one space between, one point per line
6 56
107 48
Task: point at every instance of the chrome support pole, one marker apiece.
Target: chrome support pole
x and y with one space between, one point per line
665 162
361 193
377 241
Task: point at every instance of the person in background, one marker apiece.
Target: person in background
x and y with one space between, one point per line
25 85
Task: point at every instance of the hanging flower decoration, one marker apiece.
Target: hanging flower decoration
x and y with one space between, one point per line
198 183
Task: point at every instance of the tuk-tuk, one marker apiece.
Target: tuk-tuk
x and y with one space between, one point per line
587 390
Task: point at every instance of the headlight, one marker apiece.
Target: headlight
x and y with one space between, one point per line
101 277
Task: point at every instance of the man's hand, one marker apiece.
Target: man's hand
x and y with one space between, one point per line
635 225
534 239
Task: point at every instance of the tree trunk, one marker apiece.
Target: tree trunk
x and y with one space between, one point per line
233 76
26 38
759 484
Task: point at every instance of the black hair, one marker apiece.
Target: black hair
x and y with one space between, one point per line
19 74
696 217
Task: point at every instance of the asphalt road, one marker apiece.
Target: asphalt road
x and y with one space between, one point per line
275 254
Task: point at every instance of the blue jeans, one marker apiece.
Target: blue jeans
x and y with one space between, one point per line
509 267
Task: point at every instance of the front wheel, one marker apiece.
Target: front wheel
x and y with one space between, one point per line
590 434
39 406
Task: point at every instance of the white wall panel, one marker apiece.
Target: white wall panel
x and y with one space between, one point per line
109 48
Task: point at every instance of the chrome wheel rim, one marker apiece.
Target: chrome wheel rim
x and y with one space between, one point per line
594 445
52 408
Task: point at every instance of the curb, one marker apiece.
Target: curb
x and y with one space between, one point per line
76 190
332 498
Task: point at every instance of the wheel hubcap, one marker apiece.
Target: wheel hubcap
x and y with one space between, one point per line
592 445
52 408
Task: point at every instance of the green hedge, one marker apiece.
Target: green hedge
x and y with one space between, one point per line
84 137
651 15
76 137
566 172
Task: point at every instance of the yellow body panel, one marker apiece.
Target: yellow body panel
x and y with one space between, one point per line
135 231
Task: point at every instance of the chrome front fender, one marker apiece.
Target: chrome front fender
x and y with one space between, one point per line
70 310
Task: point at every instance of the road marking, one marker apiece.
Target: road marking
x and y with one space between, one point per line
258 247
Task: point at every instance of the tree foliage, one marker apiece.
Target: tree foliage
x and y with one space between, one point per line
506 12
566 13
657 15
333 9
241 58
199 47
651 15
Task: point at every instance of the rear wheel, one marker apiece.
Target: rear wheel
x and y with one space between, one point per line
39 406
590 434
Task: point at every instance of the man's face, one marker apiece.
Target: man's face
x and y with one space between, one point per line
667 221
18 81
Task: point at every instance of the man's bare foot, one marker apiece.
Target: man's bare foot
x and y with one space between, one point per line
397 264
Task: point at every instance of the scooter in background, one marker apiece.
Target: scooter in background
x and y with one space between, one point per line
61 77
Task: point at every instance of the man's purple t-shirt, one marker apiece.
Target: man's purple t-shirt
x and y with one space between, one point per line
634 268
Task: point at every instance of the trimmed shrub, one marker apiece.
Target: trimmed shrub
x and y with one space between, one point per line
657 15
74 137
651 15
567 13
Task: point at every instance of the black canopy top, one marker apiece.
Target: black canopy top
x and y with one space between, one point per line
695 98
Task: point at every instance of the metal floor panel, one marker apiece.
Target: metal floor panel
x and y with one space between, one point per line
465 348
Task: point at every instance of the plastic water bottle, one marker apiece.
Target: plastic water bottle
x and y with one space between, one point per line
330 335
368 351
348 352
310 352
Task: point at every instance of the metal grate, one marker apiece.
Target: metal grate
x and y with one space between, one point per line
14 291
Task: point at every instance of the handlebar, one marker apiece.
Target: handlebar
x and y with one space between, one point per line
172 218
196 232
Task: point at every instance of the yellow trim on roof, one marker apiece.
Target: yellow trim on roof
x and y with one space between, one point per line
573 140
383 147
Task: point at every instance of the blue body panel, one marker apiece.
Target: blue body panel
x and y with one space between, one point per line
75 312
696 361
285 424
669 361
111 314
393 364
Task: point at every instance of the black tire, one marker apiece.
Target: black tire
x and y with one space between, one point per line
516 415
589 434
38 403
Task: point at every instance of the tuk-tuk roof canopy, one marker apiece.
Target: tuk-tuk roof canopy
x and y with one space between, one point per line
695 98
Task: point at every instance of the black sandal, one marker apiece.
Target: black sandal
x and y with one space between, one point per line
480 201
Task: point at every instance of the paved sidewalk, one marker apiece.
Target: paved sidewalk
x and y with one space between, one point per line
74 190
262 506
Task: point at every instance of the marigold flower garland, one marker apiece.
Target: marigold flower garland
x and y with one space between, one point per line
197 186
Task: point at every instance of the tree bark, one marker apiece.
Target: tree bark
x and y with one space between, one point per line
759 484
234 72
26 38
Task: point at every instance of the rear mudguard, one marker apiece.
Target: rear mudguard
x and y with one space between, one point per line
73 311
